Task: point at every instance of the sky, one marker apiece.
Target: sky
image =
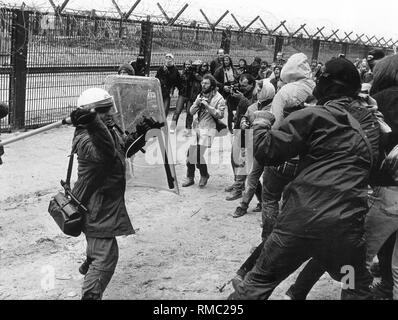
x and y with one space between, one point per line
371 17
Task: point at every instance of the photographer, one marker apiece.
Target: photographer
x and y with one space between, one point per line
184 91
101 184
210 106
226 77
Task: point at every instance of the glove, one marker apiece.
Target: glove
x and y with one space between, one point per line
134 143
147 124
82 116
263 117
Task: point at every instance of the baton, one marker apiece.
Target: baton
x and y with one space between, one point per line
35 132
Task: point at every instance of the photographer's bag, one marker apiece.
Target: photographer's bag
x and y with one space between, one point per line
67 212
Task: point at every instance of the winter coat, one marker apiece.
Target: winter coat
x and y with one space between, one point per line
330 193
185 87
220 78
299 86
206 127
101 180
169 78
215 64
387 102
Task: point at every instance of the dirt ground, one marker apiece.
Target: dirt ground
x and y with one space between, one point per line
186 246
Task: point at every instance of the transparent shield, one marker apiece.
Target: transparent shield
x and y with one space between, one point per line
135 98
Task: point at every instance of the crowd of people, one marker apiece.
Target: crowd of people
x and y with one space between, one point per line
323 137
325 143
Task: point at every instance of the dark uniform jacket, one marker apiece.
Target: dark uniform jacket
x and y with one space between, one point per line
329 194
101 180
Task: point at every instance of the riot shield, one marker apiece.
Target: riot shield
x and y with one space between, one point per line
135 98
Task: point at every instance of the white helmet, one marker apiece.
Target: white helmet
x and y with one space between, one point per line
94 98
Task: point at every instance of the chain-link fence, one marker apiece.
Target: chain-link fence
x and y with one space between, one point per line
48 59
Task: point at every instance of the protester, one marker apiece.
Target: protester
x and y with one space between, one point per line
3 114
325 205
126 69
265 94
275 78
254 68
280 60
217 62
209 106
169 78
245 95
139 66
184 96
242 68
265 71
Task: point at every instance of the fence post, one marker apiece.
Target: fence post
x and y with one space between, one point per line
365 51
19 57
146 43
316 44
278 46
226 40
344 49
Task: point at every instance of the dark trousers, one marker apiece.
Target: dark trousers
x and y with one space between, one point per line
196 157
273 184
104 254
166 103
385 258
181 103
282 254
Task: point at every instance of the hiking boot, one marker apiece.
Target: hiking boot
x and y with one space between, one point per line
258 208
173 127
236 281
230 188
380 291
188 182
234 196
203 181
239 212
83 269
375 270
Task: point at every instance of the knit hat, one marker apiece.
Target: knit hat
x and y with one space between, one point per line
376 54
339 78
126 67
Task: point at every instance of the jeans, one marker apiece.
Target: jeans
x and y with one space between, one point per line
273 184
282 254
381 225
196 156
104 254
181 103
238 162
253 185
166 103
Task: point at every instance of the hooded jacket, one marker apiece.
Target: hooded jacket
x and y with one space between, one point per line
329 195
297 76
265 95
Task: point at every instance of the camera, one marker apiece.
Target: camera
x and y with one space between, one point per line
235 88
